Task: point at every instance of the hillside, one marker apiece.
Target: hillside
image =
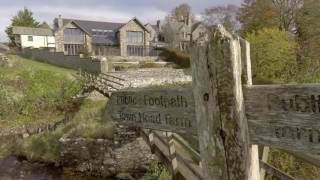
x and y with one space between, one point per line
33 93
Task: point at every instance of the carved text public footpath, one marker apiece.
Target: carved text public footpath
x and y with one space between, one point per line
168 110
149 100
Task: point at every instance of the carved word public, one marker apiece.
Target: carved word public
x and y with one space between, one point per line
159 101
297 103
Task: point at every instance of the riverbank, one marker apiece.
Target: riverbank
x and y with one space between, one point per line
46 133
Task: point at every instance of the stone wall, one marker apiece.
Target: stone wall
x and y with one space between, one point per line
126 154
72 62
125 66
133 58
154 77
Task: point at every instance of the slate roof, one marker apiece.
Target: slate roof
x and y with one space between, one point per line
137 21
32 31
89 25
195 26
155 27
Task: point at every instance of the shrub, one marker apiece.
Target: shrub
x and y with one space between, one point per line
180 58
157 171
273 54
293 166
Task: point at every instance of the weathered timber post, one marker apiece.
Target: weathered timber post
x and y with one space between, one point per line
264 157
247 78
222 127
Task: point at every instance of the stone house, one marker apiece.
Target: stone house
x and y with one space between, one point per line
199 32
104 38
187 31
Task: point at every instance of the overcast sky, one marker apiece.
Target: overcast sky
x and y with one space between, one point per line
101 10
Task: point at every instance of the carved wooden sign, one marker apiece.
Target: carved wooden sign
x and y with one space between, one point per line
167 110
284 116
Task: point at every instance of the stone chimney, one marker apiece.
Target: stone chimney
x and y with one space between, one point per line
189 23
60 22
158 24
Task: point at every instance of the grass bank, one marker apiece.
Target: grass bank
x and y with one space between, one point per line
33 93
90 121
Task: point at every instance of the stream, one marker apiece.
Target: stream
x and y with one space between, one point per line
15 168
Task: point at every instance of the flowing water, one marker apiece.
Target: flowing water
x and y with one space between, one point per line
14 168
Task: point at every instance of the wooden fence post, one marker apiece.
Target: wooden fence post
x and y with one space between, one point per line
247 78
264 158
222 127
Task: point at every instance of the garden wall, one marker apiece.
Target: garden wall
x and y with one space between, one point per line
72 62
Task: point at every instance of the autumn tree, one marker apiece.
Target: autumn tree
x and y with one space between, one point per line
257 14
308 30
287 13
273 55
23 18
44 25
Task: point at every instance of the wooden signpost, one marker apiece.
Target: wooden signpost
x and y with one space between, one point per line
285 116
167 110
227 116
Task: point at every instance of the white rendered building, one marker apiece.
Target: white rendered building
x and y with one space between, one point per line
34 37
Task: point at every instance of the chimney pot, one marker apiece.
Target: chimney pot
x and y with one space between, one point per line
158 24
60 22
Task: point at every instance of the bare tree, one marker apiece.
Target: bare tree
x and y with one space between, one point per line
225 15
182 13
171 32
288 11
179 17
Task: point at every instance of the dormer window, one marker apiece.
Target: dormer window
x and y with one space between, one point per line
101 32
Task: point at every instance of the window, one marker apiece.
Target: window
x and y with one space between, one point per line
202 34
72 49
135 50
134 37
30 38
100 32
161 38
73 35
